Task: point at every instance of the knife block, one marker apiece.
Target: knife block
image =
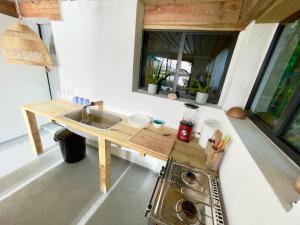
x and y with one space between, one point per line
213 157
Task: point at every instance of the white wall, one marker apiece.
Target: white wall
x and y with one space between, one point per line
19 84
248 197
95 47
95 52
251 48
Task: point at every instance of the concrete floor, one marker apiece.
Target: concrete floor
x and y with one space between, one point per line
48 191
17 152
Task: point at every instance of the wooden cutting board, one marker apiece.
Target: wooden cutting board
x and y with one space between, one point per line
154 142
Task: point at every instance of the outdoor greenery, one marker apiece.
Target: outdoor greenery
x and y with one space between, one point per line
154 75
198 87
287 85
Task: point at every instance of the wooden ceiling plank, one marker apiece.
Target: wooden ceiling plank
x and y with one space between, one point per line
197 27
173 46
165 45
188 45
291 18
163 41
8 8
157 43
252 9
175 39
199 45
279 11
193 43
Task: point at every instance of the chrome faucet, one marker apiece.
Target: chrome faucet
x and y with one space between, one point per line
84 117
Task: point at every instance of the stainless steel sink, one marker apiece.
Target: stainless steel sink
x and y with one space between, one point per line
98 119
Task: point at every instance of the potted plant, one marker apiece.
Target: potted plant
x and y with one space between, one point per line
201 90
153 77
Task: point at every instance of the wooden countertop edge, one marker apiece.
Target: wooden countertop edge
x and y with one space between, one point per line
179 148
93 131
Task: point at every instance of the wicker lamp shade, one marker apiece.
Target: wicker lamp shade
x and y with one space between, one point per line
21 45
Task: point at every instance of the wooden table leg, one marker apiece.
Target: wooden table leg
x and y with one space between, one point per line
105 163
33 132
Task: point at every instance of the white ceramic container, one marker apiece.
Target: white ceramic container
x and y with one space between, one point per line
139 120
208 130
152 89
201 98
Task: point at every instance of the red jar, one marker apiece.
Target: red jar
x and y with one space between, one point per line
185 131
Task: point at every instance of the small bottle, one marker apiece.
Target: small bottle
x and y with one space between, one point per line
81 101
86 101
75 100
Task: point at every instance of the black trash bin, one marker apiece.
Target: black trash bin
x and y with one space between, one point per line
72 146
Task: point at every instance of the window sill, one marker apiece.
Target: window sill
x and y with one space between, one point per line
279 171
139 91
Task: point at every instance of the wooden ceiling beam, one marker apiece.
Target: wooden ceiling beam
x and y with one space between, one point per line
252 9
47 9
8 8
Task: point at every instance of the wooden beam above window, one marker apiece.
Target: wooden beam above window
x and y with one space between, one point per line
215 14
204 15
164 2
8 8
280 11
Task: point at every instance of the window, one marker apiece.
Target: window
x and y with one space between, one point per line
45 31
274 104
185 56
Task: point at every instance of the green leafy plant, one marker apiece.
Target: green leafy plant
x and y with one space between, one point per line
154 74
198 87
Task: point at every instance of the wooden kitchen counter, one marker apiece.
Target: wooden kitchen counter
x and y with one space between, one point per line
189 153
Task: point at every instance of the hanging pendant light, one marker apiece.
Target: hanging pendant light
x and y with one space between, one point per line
21 45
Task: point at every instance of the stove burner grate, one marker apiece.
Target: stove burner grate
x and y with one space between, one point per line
187 212
187 196
189 178
189 209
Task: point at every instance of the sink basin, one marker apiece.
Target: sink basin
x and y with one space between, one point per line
94 118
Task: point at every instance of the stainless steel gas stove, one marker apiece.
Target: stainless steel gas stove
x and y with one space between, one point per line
185 195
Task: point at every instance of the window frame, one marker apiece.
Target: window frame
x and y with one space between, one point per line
288 114
234 35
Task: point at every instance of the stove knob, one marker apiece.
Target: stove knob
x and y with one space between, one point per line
162 171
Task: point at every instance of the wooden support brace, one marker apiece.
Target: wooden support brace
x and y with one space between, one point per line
142 154
105 163
33 131
99 104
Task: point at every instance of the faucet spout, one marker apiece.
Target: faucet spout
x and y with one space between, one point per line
84 117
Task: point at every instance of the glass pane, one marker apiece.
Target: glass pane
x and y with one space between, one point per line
204 58
183 77
208 55
281 78
160 49
292 135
